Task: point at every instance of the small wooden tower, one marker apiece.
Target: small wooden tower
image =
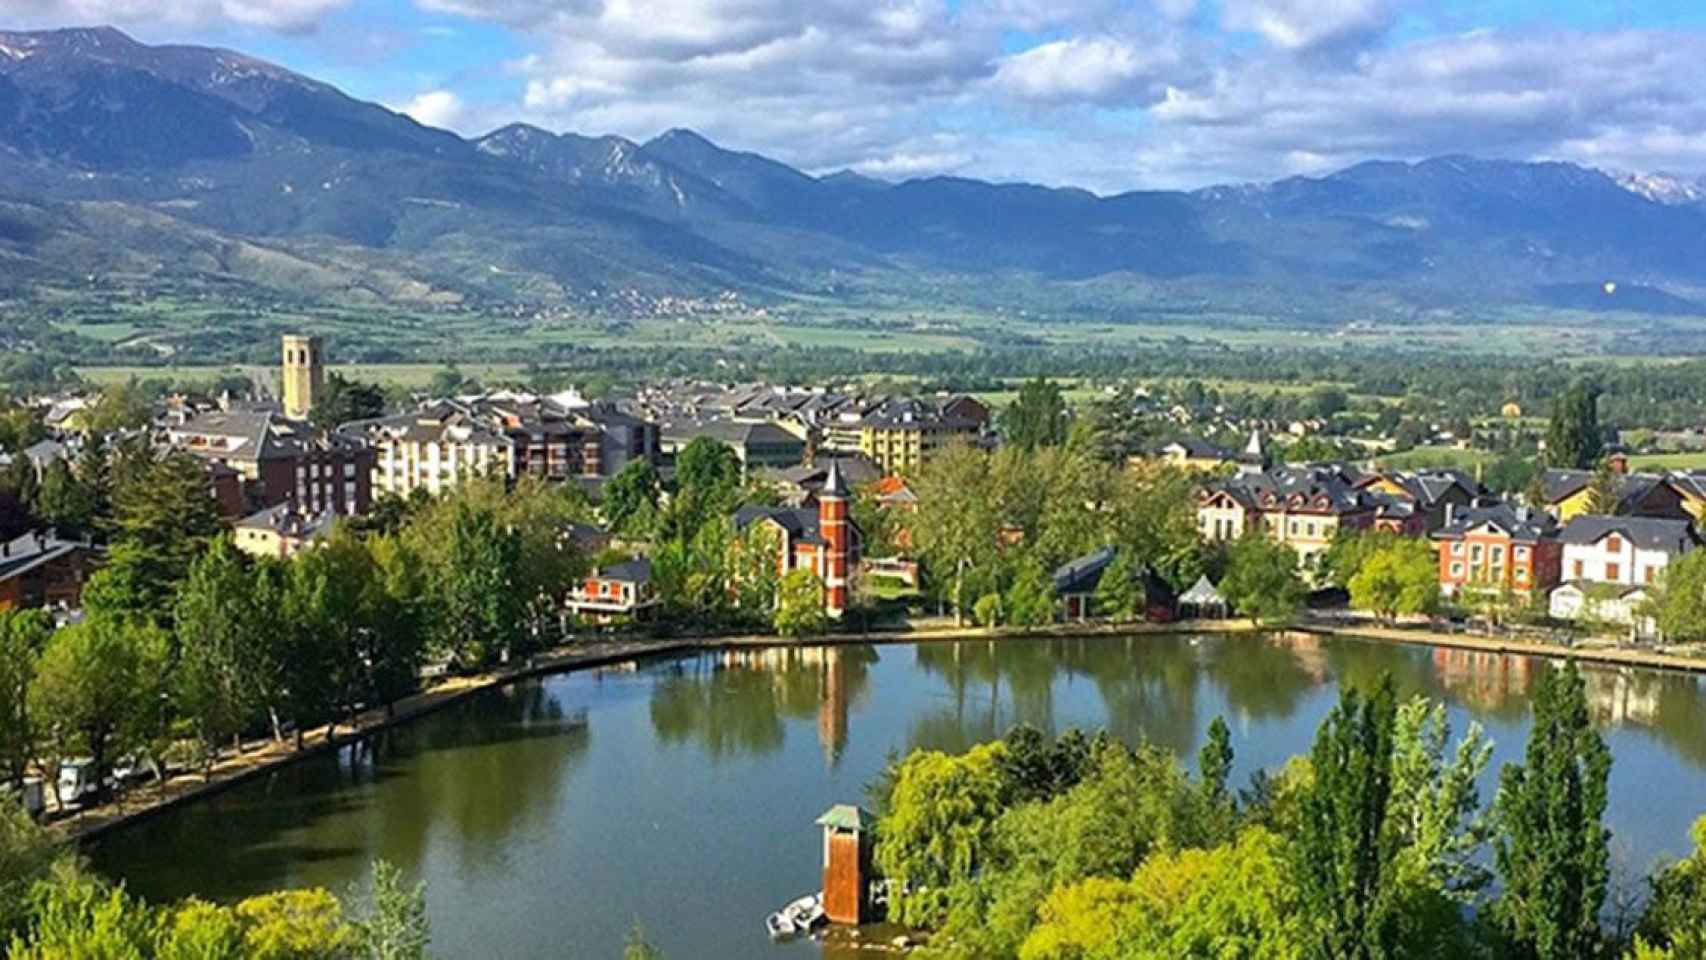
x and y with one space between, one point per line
847 839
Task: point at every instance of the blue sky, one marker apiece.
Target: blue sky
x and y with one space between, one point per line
1105 94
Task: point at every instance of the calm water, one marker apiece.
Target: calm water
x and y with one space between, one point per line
548 817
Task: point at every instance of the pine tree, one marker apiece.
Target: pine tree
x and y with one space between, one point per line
1573 439
1553 855
1346 847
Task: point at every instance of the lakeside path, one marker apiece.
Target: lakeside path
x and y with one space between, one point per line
1605 655
267 756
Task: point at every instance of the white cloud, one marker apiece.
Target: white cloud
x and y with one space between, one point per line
281 15
436 108
1306 24
1083 69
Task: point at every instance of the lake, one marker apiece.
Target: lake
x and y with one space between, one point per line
547 817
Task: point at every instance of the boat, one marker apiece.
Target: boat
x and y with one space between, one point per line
779 927
799 916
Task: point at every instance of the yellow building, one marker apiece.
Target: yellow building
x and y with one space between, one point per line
304 374
901 436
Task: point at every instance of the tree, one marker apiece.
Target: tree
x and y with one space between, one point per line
214 620
98 682
1346 847
1435 807
1675 919
1573 439
27 851
480 607
1605 491
1401 577
396 927
1152 516
799 606
1037 417
753 570
343 401
397 617
118 408
296 925
1261 580
65 503
1214 762
1553 856
955 527
707 484
631 499
1679 607
1348 551
940 827
1031 601
1119 594
163 515
23 634
1232 901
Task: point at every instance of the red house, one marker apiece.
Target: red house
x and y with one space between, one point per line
823 539
1490 548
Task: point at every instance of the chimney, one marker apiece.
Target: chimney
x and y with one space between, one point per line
1450 513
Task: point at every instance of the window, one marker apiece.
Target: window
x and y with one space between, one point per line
1475 553
1613 572
1457 548
1498 555
1576 570
1457 570
1614 544
1519 554
1649 574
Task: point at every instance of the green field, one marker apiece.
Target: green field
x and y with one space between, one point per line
1668 461
1438 457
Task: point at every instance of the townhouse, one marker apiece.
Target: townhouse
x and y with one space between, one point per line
1612 564
1494 546
280 461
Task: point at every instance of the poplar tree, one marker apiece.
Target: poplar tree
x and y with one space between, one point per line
1346 847
1573 438
1553 854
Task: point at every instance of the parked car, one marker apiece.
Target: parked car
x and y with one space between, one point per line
77 781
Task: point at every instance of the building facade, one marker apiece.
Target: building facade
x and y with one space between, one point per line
1498 547
304 375
822 539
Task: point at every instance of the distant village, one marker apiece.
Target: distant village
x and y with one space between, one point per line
282 482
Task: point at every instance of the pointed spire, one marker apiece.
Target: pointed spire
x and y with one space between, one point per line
1254 448
833 485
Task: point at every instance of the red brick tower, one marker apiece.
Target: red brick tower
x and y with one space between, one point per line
837 541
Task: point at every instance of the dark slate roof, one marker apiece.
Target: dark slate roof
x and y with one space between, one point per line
801 524
1648 533
631 571
287 520
1326 489
1562 484
1201 449
1083 574
31 550
1519 523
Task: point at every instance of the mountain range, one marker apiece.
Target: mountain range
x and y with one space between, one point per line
189 168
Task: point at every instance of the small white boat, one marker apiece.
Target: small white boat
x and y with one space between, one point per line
806 912
779 927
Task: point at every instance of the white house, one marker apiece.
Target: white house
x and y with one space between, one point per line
1628 551
1610 563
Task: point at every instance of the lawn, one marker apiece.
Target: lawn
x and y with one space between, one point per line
1668 461
1429 457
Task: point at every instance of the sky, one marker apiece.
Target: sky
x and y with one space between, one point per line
1109 95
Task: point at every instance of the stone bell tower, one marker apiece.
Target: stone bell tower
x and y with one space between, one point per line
304 374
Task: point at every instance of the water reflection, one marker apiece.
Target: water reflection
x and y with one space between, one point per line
500 770
735 703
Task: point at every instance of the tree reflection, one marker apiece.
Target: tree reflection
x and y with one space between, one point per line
735 703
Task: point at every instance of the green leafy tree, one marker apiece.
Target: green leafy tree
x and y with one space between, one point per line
637 947
118 408
1435 806
27 851
1261 580
1350 549
799 604
65 503
344 401
480 609
163 515
1152 516
1605 490
1214 762
97 685
1679 606
956 526
940 828
1573 438
23 635
396 927
1401 577
1037 417
214 622
1031 601
707 484
632 498
1553 855
398 608
1675 918
1119 594
1235 901
1346 847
